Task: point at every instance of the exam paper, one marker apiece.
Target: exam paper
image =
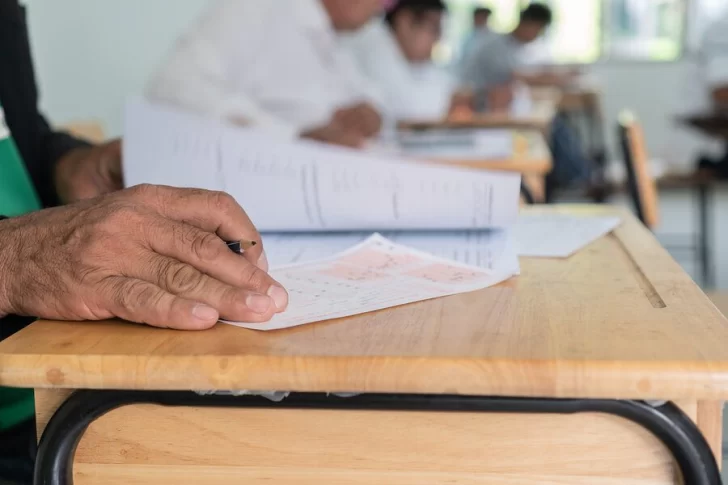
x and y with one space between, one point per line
558 235
494 250
306 186
374 275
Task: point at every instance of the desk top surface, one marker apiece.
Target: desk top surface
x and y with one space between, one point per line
619 319
531 155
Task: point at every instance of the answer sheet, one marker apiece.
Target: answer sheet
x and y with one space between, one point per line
305 186
559 235
374 275
493 250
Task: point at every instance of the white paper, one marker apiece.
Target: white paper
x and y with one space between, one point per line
305 186
493 250
460 144
558 235
374 275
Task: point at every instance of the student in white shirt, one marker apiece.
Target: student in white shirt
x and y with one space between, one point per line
395 54
706 91
276 64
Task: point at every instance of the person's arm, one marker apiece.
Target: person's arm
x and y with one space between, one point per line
198 75
149 254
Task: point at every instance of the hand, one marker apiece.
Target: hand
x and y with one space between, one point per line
361 118
461 106
148 254
335 134
500 98
88 172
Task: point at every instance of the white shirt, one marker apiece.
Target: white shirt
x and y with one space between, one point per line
274 63
709 72
408 90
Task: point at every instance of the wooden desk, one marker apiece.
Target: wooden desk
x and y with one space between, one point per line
531 158
619 320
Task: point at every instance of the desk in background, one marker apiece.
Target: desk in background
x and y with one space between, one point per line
530 155
525 383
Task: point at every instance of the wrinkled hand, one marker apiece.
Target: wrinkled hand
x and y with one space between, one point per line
148 254
85 173
361 118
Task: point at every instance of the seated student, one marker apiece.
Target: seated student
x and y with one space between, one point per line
396 56
275 64
481 17
112 256
495 65
706 91
494 78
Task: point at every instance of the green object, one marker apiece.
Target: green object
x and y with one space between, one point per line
17 196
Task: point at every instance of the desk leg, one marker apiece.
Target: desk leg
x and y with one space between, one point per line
667 423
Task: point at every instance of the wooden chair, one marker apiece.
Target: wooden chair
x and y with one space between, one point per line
92 131
640 182
642 188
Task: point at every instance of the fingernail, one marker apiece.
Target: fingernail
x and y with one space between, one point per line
263 262
205 313
258 303
279 296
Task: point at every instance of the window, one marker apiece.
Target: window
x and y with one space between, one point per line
584 31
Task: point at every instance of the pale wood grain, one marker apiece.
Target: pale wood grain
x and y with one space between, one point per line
710 422
620 319
297 447
720 300
47 401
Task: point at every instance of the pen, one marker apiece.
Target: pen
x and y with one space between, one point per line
239 247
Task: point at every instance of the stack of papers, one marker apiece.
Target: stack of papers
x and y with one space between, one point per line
445 230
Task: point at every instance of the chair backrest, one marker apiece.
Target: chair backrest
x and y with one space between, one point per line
640 182
88 130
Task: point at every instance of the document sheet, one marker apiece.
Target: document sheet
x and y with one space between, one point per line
493 250
373 275
558 235
305 186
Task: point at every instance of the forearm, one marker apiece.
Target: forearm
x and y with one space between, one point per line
6 254
540 78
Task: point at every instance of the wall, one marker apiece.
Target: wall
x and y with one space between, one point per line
91 54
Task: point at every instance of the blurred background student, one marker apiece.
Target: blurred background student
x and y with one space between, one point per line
275 64
395 55
495 78
481 17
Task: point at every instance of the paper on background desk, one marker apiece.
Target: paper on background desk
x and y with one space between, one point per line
461 144
374 275
305 186
550 235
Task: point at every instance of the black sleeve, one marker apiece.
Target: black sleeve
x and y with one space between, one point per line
39 146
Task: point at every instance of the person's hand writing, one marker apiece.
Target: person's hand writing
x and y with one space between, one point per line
85 173
148 254
361 118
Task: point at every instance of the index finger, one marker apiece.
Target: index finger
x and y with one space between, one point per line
211 211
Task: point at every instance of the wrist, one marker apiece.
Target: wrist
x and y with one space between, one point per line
6 256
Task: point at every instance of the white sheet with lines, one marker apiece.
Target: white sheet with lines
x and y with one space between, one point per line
373 275
306 186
